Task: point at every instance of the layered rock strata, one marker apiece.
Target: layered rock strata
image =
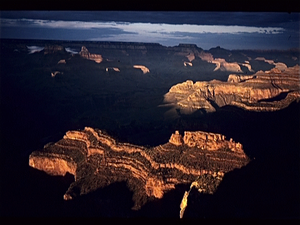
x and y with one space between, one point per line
86 54
222 65
97 160
207 183
263 91
279 65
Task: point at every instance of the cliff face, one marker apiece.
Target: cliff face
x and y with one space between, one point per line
279 66
263 91
86 54
96 160
221 63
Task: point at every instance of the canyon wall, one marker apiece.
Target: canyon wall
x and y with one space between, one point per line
263 91
96 160
86 54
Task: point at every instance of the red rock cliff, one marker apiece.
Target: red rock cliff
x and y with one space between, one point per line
86 54
262 91
96 160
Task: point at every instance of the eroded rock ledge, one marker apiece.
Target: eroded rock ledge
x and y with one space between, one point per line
263 91
97 160
86 54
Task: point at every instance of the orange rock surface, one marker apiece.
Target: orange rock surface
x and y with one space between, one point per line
86 54
143 68
97 160
263 91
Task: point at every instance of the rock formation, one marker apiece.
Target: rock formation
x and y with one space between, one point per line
263 91
143 68
247 64
205 56
86 54
279 65
53 74
112 68
191 51
62 61
97 160
206 183
191 57
222 65
187 63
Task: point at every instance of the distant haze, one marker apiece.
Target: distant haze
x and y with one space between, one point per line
230 30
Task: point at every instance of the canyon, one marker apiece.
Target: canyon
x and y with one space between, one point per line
49 89
97 160
263 91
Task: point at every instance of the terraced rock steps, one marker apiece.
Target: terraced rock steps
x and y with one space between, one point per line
97 160
257 92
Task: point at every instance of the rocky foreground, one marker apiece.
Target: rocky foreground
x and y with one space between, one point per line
97 160
263 91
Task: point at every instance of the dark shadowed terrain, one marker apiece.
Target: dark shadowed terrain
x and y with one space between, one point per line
37 108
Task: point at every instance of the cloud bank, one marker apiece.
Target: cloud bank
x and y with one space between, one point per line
141 28
206 36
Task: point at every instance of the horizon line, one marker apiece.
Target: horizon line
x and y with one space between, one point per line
156 43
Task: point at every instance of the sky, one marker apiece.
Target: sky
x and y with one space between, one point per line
230 30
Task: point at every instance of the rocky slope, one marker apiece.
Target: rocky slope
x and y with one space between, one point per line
263 91
97 160
279 65
86 54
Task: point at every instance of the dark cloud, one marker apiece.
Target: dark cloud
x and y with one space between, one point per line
200 18
60 33
288 38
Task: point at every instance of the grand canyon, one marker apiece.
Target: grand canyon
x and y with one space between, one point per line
140 129
96 160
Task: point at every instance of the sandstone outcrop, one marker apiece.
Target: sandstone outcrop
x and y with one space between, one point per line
263 91
53 74
97 160
191 57
191 51
222 65
206 183
205 56
187 63
279 65
107 69
143 68
86 54
62 61
247 64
